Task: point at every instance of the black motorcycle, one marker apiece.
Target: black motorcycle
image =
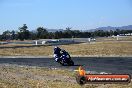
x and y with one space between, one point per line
66 59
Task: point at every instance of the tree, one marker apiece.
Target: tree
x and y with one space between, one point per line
76 33
118 31
67 33
115 33
13 35
6 35
111 33
23 32
68 28
51 35
99 33
57 36
33 35
107 33
42 33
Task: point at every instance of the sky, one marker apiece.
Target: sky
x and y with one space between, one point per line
59 14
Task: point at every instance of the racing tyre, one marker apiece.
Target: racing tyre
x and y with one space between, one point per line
81 80
71 63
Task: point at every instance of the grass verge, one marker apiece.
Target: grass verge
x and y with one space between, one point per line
12 76
109 48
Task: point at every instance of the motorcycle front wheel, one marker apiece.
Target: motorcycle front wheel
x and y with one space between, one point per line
62 63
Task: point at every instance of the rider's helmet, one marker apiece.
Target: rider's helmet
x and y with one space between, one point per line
56 47
57 51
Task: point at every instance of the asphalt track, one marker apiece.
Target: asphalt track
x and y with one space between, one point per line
97 64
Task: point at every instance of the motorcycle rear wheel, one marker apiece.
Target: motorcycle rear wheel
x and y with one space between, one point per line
71 63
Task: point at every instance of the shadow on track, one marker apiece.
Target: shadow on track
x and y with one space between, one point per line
73 65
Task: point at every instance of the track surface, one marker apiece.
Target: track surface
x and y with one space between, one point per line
98 64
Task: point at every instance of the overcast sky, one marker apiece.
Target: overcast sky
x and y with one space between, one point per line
59 14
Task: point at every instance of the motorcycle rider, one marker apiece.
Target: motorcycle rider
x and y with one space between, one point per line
57 54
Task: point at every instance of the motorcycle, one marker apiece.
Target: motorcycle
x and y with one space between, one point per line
66 59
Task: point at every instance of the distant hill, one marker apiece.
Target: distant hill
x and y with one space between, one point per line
54 30
108 28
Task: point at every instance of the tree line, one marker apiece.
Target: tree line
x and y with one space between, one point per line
42 33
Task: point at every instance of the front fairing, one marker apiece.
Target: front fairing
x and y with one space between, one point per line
66 58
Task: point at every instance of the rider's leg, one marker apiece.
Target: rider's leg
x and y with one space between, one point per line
57 58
